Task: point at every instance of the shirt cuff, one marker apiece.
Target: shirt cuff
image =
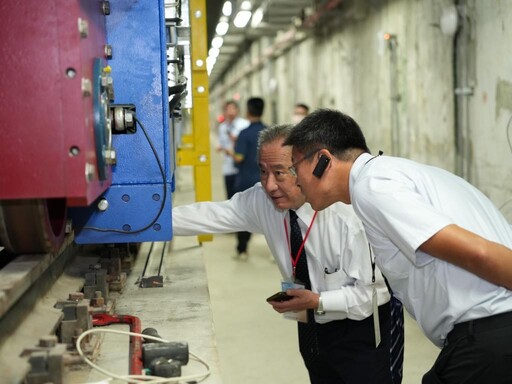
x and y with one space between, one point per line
333 301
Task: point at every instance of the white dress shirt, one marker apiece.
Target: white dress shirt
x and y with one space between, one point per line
227 131
402 204
336 244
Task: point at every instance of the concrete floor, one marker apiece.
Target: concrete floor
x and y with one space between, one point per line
255 344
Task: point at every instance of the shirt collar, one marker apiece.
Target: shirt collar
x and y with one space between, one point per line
357 167
305 213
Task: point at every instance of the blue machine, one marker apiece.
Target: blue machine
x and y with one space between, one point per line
137 206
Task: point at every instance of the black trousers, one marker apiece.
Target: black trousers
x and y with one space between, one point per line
229 182
476 352
347 353
243 240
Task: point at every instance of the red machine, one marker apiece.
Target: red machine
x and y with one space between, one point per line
54 101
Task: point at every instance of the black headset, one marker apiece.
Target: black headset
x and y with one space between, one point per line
320 167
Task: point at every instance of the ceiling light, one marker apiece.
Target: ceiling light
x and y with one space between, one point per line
217 42
210 63
242 18
213 52
227 8
257 17
222 27
244 15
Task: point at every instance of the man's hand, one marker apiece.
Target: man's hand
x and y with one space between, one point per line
302 299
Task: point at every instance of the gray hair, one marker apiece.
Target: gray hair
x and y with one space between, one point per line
271 134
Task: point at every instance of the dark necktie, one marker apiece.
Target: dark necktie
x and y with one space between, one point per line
397 336
308 341
397 339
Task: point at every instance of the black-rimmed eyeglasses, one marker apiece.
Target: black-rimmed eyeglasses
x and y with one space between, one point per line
292 169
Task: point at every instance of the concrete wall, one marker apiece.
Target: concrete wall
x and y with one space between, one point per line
402 91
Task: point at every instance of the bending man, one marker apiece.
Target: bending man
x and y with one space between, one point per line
442 245
338 344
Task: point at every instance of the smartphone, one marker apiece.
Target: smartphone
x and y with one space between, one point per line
279 296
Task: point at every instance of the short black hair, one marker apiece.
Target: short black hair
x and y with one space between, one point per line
303 106
255 106
329 129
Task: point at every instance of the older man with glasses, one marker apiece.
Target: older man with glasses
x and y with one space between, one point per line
328 271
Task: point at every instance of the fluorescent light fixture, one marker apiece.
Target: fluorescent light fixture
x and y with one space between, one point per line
244 15
210 63
222 26
217 42
227 8
257 17
246 5
213 52
242 18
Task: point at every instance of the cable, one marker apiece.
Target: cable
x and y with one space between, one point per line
147 261
164 194
162 258
139 378
140 280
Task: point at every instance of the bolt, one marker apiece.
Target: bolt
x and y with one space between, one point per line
105 7
108 51
103 205
48 341
83 28
128 119
110 156
74 151
76 296
98 300
86 87
70 73
89 172
69 226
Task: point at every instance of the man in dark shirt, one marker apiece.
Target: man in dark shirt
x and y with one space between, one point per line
246 159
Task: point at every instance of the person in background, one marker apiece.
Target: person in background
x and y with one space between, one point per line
338 345
245 156
444 248
300 110
229 130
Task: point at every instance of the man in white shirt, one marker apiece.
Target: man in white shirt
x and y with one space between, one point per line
444 248
229 130
338 259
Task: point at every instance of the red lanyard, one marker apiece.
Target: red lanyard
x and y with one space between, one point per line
297 257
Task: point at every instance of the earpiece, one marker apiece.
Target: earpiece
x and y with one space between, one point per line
320 167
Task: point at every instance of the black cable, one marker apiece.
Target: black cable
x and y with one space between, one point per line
147 261
130 232
162 258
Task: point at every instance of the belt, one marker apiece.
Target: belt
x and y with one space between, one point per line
471 327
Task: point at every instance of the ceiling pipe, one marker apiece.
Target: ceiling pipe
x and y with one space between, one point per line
322 10
282 43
